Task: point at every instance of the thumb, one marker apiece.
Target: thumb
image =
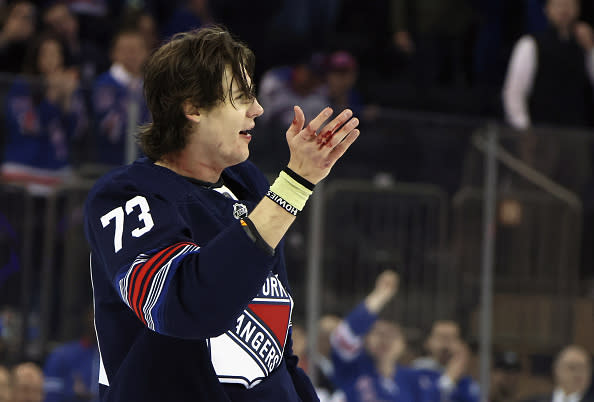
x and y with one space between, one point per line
298 122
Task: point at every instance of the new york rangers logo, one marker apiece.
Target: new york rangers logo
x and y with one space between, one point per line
248 352
239 211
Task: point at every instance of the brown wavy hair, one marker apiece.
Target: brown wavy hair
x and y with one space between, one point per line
190 67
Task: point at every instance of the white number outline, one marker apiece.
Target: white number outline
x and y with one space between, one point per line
118 214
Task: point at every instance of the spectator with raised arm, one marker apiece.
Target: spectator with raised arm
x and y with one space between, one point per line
365 350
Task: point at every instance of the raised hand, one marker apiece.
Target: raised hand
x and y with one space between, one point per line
314 151
386 286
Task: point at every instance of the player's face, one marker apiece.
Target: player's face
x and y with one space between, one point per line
222 133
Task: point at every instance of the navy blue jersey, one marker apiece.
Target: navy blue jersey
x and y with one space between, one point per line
187 306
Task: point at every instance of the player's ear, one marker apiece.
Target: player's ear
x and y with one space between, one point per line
191 111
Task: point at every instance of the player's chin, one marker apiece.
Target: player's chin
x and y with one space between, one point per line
243 155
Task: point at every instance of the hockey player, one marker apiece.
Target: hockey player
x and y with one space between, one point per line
191 295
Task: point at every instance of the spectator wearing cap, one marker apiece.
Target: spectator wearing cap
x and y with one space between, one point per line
341 76
280 89
301 83
504 377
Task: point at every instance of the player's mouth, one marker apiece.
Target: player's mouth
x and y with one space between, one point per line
246 133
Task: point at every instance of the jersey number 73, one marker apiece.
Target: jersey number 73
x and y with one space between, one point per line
117 214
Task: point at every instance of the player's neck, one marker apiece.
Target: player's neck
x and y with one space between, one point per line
198 171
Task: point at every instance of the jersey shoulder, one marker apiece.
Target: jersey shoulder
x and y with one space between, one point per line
249 176
141 178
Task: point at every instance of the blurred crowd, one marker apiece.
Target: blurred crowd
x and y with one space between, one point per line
365 356
368 356
71 93
78 89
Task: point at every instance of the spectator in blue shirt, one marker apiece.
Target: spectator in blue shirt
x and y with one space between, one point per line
365 350
43 113
118 102
71 370
442 374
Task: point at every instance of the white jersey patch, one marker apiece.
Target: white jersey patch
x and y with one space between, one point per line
250 351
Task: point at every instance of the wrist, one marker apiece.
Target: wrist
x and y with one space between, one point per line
290 191
299 179
299 171
375 302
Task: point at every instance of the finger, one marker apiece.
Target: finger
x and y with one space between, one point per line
310 130
341 148
298 122
337 137
330 129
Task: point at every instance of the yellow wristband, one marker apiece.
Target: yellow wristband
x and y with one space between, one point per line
288 192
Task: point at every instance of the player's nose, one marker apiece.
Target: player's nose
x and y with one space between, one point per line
255 109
